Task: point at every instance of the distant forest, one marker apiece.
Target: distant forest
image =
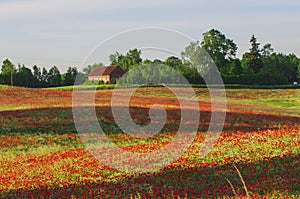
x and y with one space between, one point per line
261 65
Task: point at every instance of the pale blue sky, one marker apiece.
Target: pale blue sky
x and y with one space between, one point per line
62 32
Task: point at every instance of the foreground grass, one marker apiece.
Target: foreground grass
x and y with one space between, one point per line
61 167
42 156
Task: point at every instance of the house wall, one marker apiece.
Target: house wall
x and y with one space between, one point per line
111 78
104 78
116 74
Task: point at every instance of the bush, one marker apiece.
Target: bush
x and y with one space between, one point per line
101 82
232 80
264 78
90 82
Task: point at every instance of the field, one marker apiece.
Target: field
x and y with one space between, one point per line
256 156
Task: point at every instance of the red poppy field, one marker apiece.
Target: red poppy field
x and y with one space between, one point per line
256 156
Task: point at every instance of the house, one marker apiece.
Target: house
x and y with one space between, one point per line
108 74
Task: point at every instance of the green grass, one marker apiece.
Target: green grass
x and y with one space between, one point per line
291 102
11 107
38 143
227 86
2 87
239 86
279 101
82 87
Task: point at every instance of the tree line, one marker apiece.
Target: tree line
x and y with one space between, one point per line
258 66
37 77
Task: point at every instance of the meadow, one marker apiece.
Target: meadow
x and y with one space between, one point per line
256 156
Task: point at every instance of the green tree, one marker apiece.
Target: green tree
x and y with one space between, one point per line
288 65
278 69
157 61
147 61
197 60
128 61
174 62
134 57
115 58
253 58
220 48
298 74
235 68
24 77
267 50
8 72
54 77
37 74
70 76
44 78
8 68
87 70
191 74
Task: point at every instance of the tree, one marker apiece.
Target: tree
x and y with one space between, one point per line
157 61
87 70
197 60
235 68
134 57
288 65
267 50
37 74
147 61
128 61
220 48
45 78
173 62
8 67
298 72
115 58
24 77
70 76
253 58
54 77
8 71
80 78
284 65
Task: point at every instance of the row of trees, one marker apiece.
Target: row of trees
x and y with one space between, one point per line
37 77
264 66
260 65
257 66
132 59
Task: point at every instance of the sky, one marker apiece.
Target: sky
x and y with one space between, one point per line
64 32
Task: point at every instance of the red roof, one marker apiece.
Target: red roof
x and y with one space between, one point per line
103 70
